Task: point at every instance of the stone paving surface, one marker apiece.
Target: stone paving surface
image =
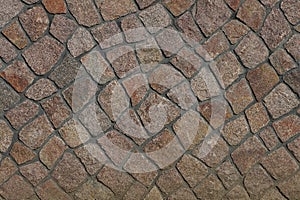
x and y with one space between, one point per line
149 99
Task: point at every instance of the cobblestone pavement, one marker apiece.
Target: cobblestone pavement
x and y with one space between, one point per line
149 99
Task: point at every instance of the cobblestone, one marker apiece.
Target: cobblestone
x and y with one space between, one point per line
16 35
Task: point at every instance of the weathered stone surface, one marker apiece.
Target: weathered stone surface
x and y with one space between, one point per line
294 147
248 154
293 46
113 100
9 9
211 188
178 7
290 187
257 117
183 193
16 35
16 188
235 30
35 133
273 193
252 13
133 29
81 42
239 96
30 1
84 12
49 190
94 190
55 6
282 61
192 170
238 192
136 191
287 127
52 151
69 173
292 79
169 181
291 10
34 172
113 9
204 85
6 136
21 153
74 133
62 27
7 169
154 194
191 32
144 3
275 29
56 110
269 137
281 100
123 61
18 75
211 15
227 69
252 50
146 178
280 164
35 22
155 18
7 50
41 89
119 182
228 174
257 181
269 3
43 55
234 4
8 96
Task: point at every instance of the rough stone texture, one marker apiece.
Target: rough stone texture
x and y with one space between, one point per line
290 187
227 69
154 194
252 50
239 96
269 137
136 87
136 191
49 190
192 170
280 164
238 192
81 42
287 127
35 133
177 7
252 13
41 89
113 9
62 27
293 46
291 10
183 193
69 173
273 193
169 181
292 79
43 55
16 35
7 50
155 18
133 29
52 151
8 10
56 110
55 6
269 3
234 4
18 75
34 172
248 154
21 153
280 101
228 174
6 136
235 130
211 15
7 169
235 30
8 96
211 188
35 22
123 61
294 147
275 29
16 188
282 61
257 117
84 12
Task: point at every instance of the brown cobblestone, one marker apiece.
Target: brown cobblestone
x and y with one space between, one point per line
257 117
55 6
282 61
16 35
49 190
7 50
290 187
228 174
169 181
21 153
34 172
292 79
294 147
291 10
287 127
177 7
7 169
62 27
293 47
269 137
41 89
6 136
81 42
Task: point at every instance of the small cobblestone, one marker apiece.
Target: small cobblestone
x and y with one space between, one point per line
16 35
41 89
